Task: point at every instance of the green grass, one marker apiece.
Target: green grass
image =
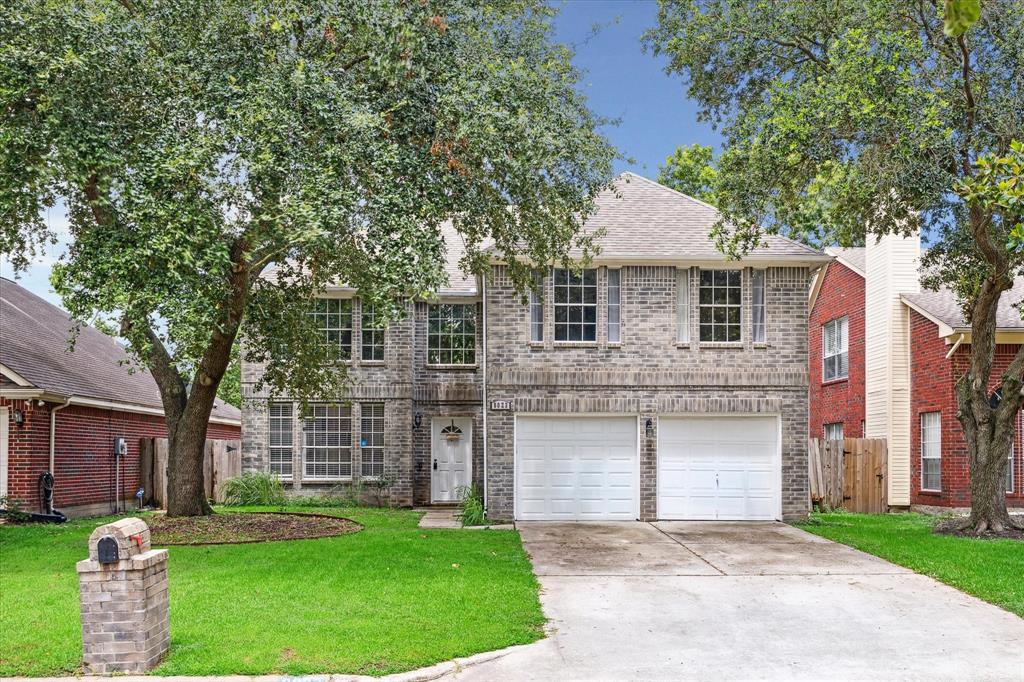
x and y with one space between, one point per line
390 598
992 570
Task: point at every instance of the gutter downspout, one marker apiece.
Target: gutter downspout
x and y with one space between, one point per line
483 367
53 429
955 346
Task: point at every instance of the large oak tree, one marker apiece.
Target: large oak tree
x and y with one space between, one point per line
853 118
198 145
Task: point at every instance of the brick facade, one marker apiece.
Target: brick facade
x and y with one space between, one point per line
648 375
838 401
933 378
84 462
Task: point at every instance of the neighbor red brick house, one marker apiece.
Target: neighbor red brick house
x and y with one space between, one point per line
63 411
885 356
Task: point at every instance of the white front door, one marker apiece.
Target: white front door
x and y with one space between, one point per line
451 457
3 450
576 468
724 468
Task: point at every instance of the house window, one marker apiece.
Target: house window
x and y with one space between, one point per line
328 438
1009 471
372 334
683 305
834 431
575 301
333 319
537 308
371 439
931 451
614 307
720 305
835 358
758 308
451 334
280 416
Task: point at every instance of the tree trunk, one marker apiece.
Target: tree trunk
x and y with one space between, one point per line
186 489
988 444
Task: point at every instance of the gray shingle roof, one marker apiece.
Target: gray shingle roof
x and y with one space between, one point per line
854 256
942 305
646 221
34 343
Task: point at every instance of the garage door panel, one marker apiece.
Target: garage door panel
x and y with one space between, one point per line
718 468
576 467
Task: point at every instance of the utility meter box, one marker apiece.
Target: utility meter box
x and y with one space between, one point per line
120 447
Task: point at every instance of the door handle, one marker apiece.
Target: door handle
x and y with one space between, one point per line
435 465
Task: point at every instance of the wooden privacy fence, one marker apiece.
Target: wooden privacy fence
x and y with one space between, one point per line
222 459
849 473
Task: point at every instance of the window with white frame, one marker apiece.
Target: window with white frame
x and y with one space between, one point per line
931 451
834 431
537 308
372 330
451 334
280 417
683 305
328 442
371 439
575 304
721 306
757 278
834 343
1009 471
333 319
614 307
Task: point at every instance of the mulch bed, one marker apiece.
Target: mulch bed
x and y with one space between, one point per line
231 528
952 527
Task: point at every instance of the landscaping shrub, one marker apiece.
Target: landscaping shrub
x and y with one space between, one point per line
472 503
253 488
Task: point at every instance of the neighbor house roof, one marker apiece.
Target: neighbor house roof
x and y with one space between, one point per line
642 221
942 306
852 257
34 336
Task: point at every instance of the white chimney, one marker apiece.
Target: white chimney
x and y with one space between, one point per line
891 269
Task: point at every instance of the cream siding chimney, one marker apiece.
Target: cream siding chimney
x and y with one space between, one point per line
892 269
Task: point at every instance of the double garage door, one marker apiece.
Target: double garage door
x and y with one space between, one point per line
579 468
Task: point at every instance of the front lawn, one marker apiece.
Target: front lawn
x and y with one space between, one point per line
390 598
992 570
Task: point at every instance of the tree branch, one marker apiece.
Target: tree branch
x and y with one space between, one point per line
965 70
173 392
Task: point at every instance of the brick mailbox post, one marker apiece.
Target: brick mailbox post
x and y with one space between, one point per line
123 586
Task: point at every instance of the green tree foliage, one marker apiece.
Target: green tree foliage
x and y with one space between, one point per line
230 388
848 118
691 170
223 161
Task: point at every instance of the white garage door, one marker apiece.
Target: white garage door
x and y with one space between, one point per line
576 468
725 468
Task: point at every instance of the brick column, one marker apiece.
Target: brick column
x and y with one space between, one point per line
123 589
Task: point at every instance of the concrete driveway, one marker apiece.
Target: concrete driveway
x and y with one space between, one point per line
739 601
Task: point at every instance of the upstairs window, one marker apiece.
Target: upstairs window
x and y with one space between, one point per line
333 319
575 303
451 334
758 305
931 451
835 358
720 306
280 417
683 305
834 431
328 439
614 307
537 308
373 334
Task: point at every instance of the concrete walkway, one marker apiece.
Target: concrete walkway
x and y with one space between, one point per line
742 601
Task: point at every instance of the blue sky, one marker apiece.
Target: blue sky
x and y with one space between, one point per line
621 82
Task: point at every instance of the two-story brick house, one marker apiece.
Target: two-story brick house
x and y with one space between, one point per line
661 381
884 359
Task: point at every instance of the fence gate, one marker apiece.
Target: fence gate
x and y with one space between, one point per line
849 473
222 459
